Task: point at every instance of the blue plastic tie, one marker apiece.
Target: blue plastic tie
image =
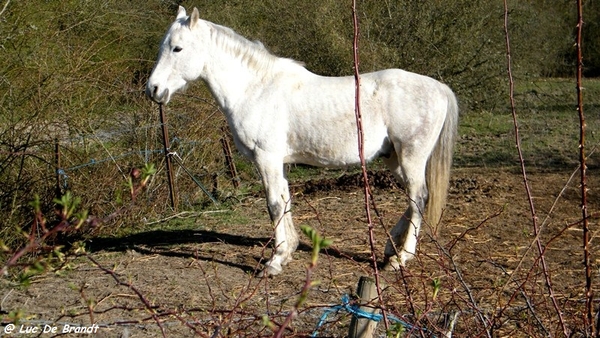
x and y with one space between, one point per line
354 309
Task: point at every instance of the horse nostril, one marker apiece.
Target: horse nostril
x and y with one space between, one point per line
154 90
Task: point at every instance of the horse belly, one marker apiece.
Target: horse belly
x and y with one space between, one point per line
336 145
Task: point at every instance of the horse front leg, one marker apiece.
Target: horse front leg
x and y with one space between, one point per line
279 203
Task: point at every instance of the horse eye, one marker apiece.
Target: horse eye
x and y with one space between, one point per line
177 49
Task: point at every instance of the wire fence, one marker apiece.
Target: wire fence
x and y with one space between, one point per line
180 148
96 165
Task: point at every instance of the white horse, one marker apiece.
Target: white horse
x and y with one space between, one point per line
279 112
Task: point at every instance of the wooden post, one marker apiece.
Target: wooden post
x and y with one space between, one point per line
364 327
57 189
448 322
165 134
229 160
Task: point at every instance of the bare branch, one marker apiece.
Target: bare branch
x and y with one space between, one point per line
534 219
363 165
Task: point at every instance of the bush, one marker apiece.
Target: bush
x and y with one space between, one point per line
67 69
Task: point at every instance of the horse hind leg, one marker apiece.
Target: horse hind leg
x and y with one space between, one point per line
403 243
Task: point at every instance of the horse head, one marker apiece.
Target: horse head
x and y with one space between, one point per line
178 62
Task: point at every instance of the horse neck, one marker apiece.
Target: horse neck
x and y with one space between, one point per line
233 66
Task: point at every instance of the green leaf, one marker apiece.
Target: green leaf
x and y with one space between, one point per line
325 242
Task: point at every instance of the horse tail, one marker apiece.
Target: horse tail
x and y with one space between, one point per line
440 162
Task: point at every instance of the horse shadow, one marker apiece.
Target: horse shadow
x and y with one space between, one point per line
166 242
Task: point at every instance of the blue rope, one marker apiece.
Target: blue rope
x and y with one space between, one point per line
354 309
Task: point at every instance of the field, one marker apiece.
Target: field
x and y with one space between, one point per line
194 271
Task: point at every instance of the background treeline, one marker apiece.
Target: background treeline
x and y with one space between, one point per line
74 72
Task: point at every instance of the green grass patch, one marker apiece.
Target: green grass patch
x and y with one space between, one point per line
548 126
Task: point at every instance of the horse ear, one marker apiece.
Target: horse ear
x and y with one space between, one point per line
181 13
193 20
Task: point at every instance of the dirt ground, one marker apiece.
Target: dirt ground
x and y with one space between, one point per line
482 263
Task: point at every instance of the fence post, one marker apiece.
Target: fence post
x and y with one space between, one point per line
364 327
57 189
229 160
165 135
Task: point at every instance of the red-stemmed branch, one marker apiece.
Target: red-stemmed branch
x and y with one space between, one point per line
534 219
589 292
363 164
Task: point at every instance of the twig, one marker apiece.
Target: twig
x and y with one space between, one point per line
459 275
452 243
152 309
528 302
318 242
560 194
303 294
5 6
589 292
149 307
186 214
363 164
534 220
537 237
88 303
33 242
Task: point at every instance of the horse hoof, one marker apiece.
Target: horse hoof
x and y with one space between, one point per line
287 259
405 256
391 263
270 270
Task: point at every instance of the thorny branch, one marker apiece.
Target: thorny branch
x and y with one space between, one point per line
534 219
363 165
589 293
152 309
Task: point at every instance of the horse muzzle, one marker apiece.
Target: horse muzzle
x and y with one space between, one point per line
156 95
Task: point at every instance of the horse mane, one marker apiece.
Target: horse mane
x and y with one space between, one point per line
251 53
